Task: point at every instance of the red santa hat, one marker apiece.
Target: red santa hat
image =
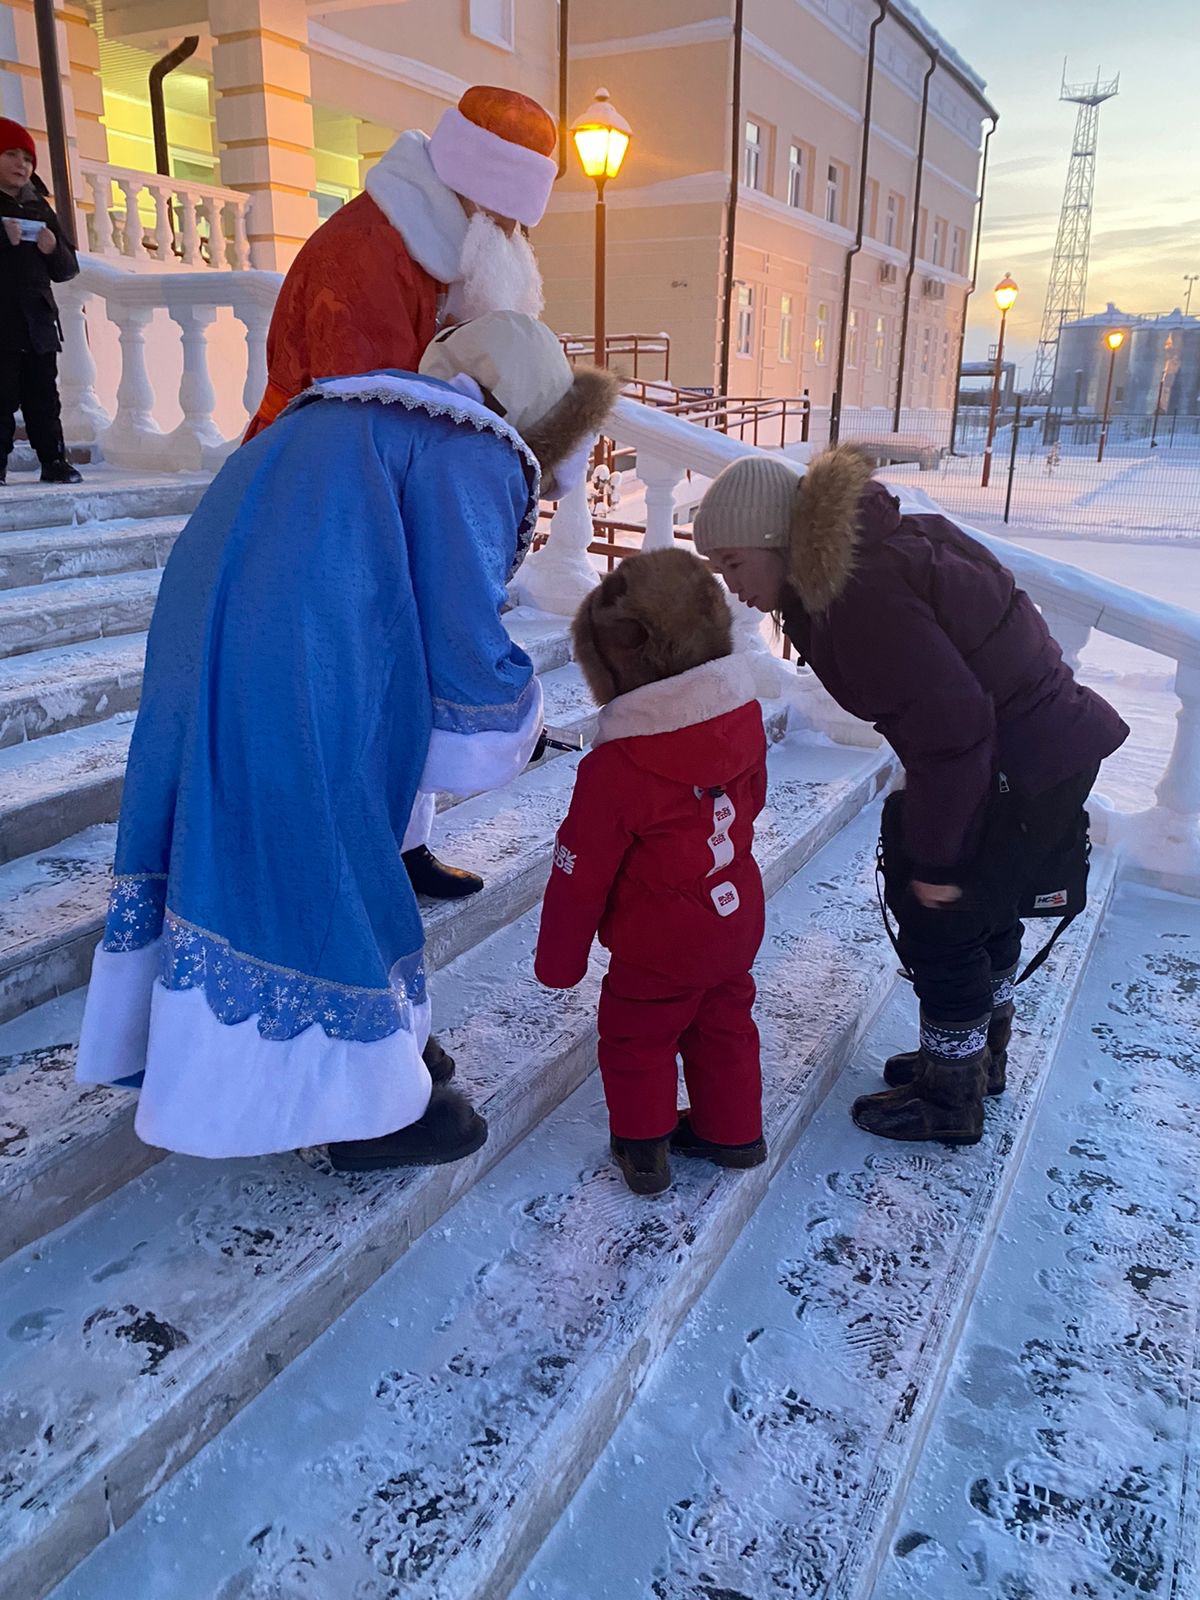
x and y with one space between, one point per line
14 137
495 148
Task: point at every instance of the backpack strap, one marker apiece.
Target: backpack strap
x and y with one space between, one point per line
1043 954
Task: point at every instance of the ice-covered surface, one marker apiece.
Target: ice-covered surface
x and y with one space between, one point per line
419 1449
208 1253
1062 1463
761 1459
105 493
44 555
45 615
52 690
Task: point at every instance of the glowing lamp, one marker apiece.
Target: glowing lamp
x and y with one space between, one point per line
1005 295
1115 339
601 137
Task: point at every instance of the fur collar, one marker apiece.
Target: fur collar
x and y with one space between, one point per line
578 416
698 695
426 214
823 544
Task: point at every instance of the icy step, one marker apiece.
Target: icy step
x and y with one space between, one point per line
105 494
62 784
50 691
1061 1460
46 555
43 616
769 1453
40 1103
181 1296
52 908
24 457
423 1447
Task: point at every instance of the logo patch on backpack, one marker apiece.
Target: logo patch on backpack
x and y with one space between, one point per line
1051 902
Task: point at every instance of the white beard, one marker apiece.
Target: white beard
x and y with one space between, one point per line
495 274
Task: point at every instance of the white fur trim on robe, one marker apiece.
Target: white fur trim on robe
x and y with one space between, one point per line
467 763
425 212
218 1089
691 697
420 823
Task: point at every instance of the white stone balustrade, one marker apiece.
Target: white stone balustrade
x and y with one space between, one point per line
195 224
133 437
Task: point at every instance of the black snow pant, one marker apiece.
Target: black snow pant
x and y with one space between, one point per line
963 956
29 382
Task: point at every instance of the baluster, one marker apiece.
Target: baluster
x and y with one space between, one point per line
197 433
661 479
83 417
560 576
102 222
134 439
241 241
210 213
1071 634
256 319
187 229
131 188
162 221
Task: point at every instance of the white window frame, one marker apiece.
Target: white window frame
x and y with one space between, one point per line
892 220
880 351
797 176
786 328
493 21
939 242
926 350
833 193
821 337
956 250
745 320
852 340
753 148
945 352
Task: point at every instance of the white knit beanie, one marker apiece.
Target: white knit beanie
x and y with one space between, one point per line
751 506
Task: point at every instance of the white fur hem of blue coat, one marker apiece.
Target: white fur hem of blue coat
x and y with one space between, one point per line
243 1095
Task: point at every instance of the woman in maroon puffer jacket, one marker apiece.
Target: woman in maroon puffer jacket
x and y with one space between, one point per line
915 627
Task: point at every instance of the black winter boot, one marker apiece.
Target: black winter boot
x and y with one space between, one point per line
901 1070
435 880
644 1163
944 1101
438 1062
685 1141
61 472
450 1130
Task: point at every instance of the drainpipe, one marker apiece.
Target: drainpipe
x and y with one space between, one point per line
56 122
835 409
158 110
962 337
564 30
912 254
735 166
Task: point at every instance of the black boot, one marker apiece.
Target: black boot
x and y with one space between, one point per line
438 1062
901 1070
432 878
644 1163
61 472
685 1141
945 1099
450 1130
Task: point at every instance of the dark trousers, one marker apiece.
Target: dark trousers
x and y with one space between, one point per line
29 381
955 951
646 1023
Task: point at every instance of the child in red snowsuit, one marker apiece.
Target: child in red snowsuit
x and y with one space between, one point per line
655 855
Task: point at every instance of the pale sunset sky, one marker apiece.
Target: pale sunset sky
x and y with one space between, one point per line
1146 227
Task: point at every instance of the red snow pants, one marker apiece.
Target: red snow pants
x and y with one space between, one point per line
646 1022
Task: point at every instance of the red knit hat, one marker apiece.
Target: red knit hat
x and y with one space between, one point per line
495 148
14 137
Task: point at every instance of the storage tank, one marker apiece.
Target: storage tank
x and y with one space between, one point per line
1165 351
1081 373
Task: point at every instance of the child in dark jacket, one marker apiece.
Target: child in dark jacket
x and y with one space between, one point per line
34 253
655 855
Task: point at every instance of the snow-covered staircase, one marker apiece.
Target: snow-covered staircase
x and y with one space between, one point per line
259 1380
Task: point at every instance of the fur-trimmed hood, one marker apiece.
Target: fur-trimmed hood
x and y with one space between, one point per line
577 418
826 525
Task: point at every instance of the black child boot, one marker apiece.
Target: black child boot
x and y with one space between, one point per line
685 1141
644 1163
944 1100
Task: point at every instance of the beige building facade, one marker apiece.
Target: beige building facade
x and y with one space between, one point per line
288 104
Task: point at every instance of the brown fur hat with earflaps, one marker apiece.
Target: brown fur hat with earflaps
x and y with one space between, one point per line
655 616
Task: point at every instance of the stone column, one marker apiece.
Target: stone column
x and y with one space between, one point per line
264 120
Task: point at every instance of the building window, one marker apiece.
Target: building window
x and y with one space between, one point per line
492 20
754 155
797 197
939 233
926 349
891 221
785 327
821 337
745 320
957 249
871 209
833 193
945 354
880 343
852 340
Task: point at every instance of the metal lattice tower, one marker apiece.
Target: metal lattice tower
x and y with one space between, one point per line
1067 290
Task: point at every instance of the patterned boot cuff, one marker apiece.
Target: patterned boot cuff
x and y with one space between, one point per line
1004 988
954 1042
